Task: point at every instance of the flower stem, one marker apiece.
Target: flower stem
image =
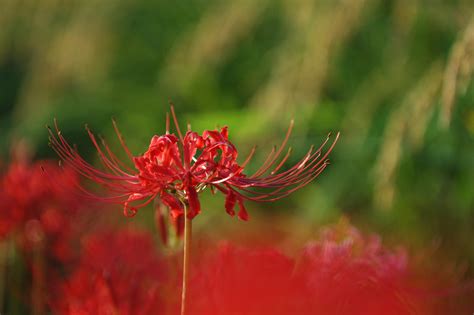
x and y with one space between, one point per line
188 229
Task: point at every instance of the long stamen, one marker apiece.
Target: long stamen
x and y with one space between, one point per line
303 161
167 123
282 162
269 157
296 177
249 157
175 120
114 157
122 141
280 149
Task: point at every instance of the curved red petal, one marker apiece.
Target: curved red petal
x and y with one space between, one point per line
230 201
194 205
175 206
242 214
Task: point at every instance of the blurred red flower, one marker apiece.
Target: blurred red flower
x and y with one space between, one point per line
175 168
119 273
344 272
336 275
351 275
34 208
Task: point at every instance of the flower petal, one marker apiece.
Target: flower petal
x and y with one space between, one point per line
230 201
194 205
175 206
243 215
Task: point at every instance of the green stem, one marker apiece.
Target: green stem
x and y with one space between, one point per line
188 228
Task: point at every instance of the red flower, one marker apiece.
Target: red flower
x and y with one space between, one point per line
35 207
339 274
119 273
176 168
344 272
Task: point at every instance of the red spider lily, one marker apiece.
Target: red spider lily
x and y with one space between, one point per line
350 275
119 273
344 272
35 207
176 168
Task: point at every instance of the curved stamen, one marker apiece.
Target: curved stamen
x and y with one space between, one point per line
122 141
280 149
175 120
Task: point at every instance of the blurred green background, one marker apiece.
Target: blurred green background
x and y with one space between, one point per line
395 77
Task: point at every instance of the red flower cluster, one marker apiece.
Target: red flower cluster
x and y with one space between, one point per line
343 273
349 275
119 274
35 207
177 168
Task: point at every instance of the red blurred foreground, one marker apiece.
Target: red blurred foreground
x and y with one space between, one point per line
122 273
